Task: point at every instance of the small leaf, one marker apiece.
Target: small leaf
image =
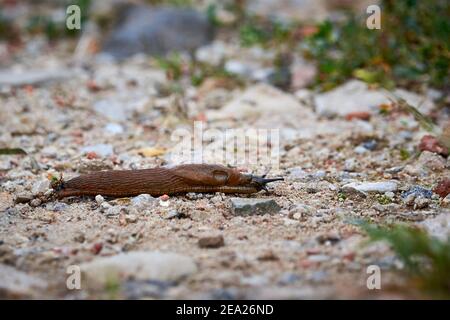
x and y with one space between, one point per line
12 151
151 152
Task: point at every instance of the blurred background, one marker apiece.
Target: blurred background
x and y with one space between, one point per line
364 137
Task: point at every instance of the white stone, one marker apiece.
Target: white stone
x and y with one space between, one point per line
140 265
103 150
113 128
355 96
99 199
381 187
18 284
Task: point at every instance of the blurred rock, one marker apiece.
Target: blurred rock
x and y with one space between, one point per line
103 150
113 128
432 144
139 265
438 226
251 206
40 187
15 284
427 163
355 96
211 241
263 103
289 10
443 188
157 31
15 78
302 74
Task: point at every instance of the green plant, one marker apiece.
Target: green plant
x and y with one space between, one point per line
172 65
411 48
404 154
112 287
383 199
342 197
426 258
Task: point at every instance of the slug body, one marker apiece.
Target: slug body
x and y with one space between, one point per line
159 181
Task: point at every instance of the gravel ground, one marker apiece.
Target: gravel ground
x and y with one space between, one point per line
74 118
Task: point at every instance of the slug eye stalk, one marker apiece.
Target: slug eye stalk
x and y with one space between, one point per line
261 182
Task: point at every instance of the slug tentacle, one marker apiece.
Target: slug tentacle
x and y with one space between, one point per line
159 181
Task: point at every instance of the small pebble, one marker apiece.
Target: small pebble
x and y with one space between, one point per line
99 199
24 197
211 241
35 202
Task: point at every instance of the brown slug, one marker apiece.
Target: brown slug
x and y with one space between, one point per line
159 181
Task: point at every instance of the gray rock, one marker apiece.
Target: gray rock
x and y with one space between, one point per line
438 226
289 10
288 278
417 191
35 202
24 197
142 202
370 144
103 150
356 96
58 207
139 265
157 31
40 187
113 128
31 77
421 202
111 109
427 163
298 174
364 187
172 214
251 206
16 284
350 164
360 150
418 197
115 211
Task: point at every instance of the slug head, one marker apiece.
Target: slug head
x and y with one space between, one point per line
218 175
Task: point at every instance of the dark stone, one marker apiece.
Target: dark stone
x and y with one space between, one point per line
211 242
157 31
418 191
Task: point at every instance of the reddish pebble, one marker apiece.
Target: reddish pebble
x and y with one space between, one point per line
91 155
443 188
96 248
201 117
164 197
313 251
350 256
29 89
305 263
430 143
358 115
93 86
